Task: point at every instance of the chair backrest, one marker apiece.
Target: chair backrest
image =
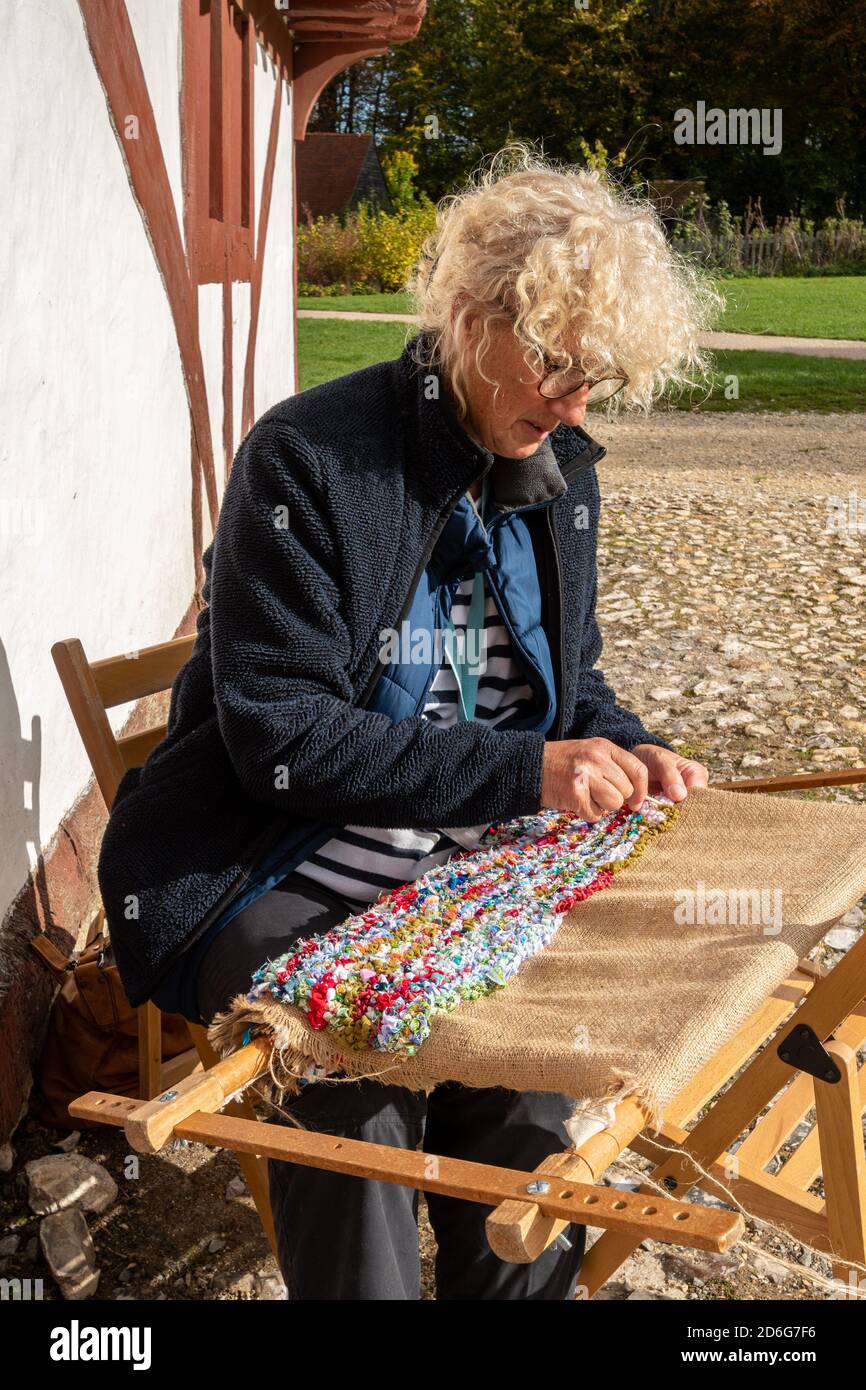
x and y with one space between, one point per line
92 687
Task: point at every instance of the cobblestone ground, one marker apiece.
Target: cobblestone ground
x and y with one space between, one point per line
732 602
732 592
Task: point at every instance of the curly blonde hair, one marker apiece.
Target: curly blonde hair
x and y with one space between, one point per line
570 258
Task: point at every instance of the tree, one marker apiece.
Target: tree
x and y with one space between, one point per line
568 79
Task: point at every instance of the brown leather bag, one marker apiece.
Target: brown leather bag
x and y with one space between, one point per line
92 1039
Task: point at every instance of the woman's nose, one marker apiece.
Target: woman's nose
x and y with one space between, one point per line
568 408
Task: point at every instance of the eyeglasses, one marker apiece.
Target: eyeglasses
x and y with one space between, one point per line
562 381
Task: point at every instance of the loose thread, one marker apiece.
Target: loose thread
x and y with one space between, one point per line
627 1167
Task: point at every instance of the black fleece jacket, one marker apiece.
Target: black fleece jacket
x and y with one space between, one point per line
334 502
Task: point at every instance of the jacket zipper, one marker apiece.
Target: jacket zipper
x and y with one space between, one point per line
425 558
554 595
519 649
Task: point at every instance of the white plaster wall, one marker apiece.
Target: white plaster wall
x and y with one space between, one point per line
210 332
240 337
95 492
274 366
95 526
157 29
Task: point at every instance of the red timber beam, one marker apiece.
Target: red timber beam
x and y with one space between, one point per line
247 407
118 65
313 41
316 64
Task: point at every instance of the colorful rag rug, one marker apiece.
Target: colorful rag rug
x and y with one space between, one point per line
464 929
628 997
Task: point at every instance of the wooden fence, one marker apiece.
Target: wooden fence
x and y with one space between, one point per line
768 252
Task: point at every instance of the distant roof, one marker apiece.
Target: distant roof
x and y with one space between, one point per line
334 171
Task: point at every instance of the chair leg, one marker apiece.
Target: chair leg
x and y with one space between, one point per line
843 1164
149 1051
253 1166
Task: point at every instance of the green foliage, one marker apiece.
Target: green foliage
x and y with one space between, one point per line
401 170
597 157
328 252
610 77
366 249
389 245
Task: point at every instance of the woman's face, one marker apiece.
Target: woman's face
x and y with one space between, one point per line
520 418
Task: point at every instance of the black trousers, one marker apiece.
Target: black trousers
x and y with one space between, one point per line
341 1237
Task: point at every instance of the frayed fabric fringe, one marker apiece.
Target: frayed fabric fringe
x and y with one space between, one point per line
592 1114
297 1052
549 861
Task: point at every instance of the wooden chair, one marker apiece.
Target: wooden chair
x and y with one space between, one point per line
525 1221
92 688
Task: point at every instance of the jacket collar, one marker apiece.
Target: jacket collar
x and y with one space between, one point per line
457 458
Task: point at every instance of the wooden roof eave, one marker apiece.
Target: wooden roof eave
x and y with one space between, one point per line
316 64
314 40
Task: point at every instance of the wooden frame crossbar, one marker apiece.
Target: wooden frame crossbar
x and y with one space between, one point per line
663 1219
746 1086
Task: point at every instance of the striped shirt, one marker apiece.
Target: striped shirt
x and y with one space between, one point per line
363 861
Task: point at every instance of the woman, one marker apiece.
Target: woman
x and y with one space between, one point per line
332 736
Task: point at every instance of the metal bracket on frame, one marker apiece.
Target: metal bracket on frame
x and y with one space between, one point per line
803 1049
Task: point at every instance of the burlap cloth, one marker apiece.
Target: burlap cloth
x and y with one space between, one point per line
626 999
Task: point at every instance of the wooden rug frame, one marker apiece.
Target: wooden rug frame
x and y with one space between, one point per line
795 1055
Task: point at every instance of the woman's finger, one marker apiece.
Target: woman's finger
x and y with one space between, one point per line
606 794
695 774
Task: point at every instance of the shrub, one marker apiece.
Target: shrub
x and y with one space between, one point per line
328 252
363 250
400 170
389 245
792 246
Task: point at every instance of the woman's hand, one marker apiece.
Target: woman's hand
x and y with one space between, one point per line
592 776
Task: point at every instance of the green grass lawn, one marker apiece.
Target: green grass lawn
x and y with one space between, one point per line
767 380
809 307
359 303
783 381
332 347
821 306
